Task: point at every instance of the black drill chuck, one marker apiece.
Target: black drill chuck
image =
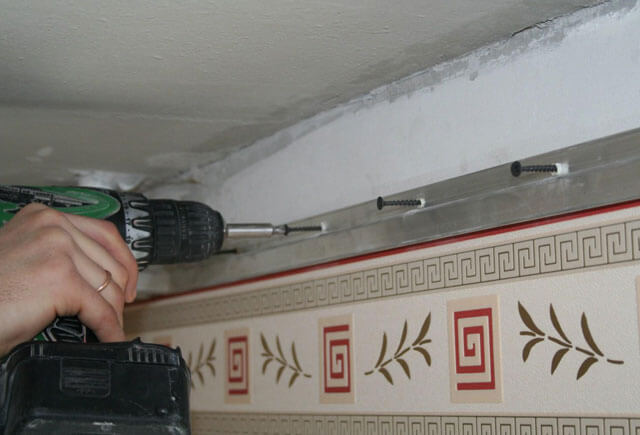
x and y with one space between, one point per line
165 231
184 231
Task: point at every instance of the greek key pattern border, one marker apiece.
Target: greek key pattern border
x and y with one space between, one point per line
204 423
586 248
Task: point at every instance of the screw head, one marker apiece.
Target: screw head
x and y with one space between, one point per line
516 169
380 203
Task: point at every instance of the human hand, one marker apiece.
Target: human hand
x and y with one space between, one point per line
51 264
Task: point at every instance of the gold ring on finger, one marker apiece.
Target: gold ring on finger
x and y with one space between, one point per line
106 282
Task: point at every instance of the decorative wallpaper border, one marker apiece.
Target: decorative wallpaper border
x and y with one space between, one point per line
565 251
524 356
311 424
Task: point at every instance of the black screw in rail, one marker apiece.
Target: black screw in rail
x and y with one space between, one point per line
399 202
517 168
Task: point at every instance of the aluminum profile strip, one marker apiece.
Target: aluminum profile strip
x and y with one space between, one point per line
601 172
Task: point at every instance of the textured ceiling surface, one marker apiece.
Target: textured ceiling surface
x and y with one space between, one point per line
152 88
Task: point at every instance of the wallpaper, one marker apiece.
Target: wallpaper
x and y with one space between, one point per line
527 330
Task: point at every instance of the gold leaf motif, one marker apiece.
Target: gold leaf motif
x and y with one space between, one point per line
529 346
593 355
585 366
280 370
295 356
556 324
404 366
211 368
403 337
294 376
200 353
526 318
423 330
196 366
266 364
386 374
402 350
211 350
587 335
282 361
383 351
557 358
265 346
425 354
280 349
189 358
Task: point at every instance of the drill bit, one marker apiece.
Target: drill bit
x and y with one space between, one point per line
244 231
287 229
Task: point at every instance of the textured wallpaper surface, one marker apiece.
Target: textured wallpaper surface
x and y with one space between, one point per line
531 330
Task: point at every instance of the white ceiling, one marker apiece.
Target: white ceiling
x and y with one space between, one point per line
154 87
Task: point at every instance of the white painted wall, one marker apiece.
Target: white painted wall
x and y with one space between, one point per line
185 83
559 84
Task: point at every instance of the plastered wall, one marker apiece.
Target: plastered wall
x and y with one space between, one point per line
555 85
532 330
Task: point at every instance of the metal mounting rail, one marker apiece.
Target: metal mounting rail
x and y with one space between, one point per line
601 172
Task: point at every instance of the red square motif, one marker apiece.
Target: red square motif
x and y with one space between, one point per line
336 359
475 367
475 339
337 370
237 365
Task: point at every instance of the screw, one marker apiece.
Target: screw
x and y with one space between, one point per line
517 168
400 202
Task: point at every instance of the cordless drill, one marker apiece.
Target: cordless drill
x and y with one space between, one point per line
53 385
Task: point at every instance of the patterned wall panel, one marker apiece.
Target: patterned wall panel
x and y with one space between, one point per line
567 251
521 333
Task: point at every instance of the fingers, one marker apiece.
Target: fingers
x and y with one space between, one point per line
95 276
96 252
99 316
114 295
99 240
70 294
58 234
107 236
51 268
60 243
93 311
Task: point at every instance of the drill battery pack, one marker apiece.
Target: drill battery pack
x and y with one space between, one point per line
101 388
